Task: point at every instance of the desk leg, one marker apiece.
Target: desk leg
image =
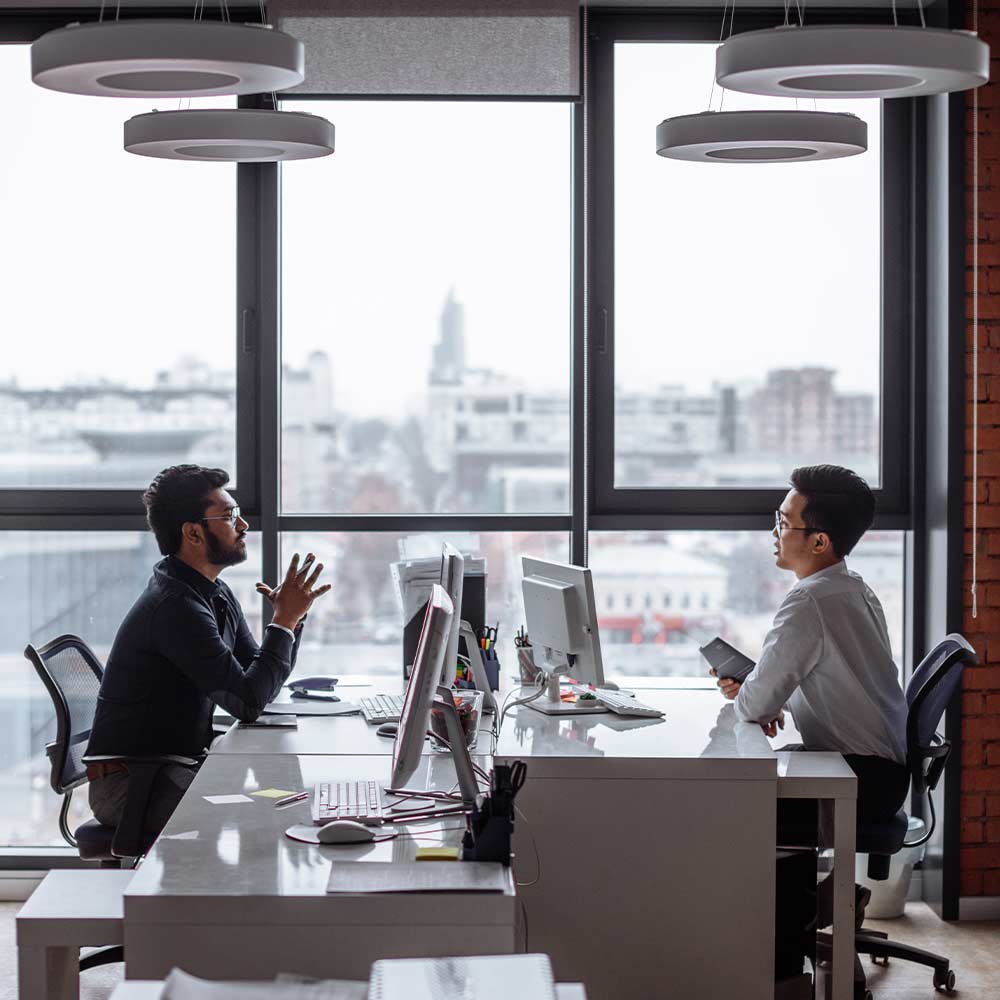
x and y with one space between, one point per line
843 898
48 973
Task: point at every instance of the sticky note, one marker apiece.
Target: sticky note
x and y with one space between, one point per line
225 800
436 854
272 793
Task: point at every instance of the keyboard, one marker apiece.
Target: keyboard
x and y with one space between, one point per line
382 708
619 703
358 800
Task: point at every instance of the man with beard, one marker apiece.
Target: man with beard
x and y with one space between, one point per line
185 646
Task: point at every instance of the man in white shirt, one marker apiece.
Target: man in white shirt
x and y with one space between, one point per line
827 656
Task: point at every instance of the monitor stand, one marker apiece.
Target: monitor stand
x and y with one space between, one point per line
551 704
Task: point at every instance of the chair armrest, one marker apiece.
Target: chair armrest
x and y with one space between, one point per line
163 758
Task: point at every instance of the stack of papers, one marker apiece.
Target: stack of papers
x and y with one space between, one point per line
181 986
489 977
417 876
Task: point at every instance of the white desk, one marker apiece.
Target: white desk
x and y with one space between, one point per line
655 841
242 901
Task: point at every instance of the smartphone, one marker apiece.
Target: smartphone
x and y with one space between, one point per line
727 660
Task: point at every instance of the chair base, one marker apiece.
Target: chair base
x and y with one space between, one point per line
880 946
102 956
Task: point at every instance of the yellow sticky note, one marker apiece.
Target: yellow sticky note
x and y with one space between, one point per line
272 793
436 854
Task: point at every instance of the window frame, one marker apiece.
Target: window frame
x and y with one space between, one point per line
594 503
27 508
706 508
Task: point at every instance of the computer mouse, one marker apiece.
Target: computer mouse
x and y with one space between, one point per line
346 831
388 729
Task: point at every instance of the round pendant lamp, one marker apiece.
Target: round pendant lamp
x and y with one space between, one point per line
852 61
166 58
232 135
761 136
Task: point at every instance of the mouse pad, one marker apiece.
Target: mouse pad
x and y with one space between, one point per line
309 834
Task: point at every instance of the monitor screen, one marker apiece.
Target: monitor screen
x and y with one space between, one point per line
452 577
414 719
561 615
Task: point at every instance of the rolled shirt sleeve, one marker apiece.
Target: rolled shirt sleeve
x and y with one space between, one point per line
792 648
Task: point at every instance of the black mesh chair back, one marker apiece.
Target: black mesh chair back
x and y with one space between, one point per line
72 675
928 694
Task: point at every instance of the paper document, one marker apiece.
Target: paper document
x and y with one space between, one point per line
181 986
305 707
490 977
226 800
416 876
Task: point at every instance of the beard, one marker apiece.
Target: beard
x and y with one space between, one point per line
222 555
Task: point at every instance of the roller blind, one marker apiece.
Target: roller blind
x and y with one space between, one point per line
446 48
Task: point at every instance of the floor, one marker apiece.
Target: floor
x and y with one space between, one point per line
974 950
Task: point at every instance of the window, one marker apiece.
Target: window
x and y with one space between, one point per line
739 590
422 266
52 583
118 305
358 628
747 316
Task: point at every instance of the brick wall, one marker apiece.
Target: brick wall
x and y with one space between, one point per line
980 835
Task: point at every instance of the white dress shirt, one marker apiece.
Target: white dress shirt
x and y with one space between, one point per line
828 659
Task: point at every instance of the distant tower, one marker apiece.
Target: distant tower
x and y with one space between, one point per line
448 359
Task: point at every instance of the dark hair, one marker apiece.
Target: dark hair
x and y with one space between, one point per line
178 495
838 502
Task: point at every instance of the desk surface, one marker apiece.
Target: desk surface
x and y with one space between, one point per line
241 851
151 989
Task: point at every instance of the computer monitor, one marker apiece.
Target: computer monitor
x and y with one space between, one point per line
561 617
414 719
452 577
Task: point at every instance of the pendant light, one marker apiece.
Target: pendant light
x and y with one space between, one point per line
166 58
852 61
761 136
229 135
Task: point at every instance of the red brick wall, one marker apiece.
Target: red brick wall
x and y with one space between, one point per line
980 836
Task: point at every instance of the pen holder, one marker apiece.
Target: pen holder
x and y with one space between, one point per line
492 667
470 709
526 666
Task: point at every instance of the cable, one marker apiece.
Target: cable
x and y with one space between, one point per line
507 704
531 835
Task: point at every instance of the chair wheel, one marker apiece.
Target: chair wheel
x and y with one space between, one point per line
880 960
944 981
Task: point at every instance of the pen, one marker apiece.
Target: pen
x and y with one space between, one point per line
289 799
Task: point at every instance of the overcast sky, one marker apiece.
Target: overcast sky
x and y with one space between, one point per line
115 265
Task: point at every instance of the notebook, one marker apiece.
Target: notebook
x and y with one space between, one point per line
487 977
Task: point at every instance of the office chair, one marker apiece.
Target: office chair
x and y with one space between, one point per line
72 675
927 695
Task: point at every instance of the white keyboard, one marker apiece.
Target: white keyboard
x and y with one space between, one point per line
619 703
382 708
357 800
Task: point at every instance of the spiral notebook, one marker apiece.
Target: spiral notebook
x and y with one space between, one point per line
486 977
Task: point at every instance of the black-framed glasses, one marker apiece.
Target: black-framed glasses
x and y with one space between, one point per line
232 516
779 527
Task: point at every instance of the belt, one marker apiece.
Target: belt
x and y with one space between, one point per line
103 768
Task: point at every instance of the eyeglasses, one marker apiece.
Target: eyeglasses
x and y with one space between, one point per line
779 527
232 516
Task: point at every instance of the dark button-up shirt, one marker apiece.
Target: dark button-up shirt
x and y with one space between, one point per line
184 646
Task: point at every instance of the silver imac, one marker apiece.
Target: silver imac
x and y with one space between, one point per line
561 617
452 577
425 689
